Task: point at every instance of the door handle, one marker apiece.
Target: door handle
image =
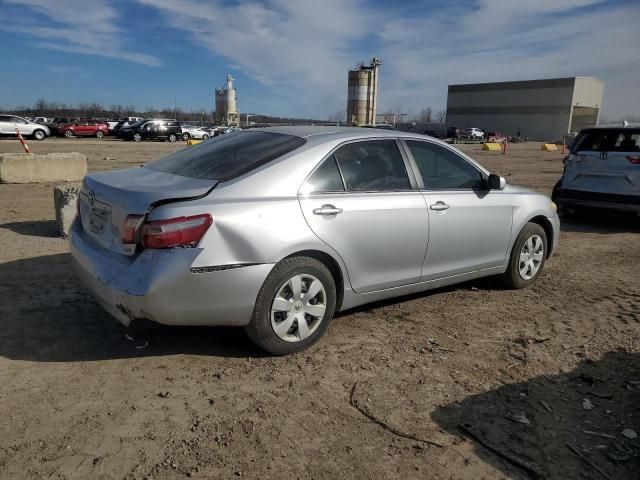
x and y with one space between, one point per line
327 210
440 206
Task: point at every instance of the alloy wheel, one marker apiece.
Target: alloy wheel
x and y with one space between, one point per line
298 308
531 257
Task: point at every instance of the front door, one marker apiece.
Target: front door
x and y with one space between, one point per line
469 225
361 202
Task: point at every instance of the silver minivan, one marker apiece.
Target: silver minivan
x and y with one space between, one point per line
602 170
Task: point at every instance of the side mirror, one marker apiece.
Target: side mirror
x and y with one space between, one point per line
496 182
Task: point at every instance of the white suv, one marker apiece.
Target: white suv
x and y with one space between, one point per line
474 133
602 170
9 123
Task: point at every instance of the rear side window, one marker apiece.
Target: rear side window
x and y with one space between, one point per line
627 141
326 178
227 156
372 166
442 169
608 140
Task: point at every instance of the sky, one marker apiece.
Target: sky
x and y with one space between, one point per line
291 57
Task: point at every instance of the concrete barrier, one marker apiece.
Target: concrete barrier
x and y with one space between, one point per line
65 198
549 147
492 147
53 167
193 142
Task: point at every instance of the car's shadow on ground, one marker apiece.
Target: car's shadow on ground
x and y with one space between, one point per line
54 318
42 228
543 422
600 221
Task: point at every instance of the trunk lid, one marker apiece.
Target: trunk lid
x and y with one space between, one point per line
107 198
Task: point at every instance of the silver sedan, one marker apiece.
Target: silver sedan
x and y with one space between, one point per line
278 229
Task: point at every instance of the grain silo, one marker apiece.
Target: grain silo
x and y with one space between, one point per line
362 94
226 108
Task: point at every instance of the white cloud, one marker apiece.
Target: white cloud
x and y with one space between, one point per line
77 27
301 50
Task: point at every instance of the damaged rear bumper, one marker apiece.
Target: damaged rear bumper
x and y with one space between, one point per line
163 286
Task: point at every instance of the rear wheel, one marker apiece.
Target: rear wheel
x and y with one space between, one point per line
39 134
186 136
294 306
137 137
527 257
68 133
99 134
172 137
205 137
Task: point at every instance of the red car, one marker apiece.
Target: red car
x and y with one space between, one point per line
84 128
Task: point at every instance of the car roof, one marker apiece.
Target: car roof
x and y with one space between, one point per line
324 134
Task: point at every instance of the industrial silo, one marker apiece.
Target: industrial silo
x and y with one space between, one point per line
362 94
226 108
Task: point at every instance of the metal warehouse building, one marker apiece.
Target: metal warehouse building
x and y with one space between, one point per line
540 109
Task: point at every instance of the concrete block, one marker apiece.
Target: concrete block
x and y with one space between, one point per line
549 147
53 167
191 141
492 147
65 198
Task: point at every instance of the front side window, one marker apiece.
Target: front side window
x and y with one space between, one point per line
372 166
443 169
228 156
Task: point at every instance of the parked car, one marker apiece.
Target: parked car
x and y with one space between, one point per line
40 120
55 122
496 137
125 122
200 133
153 129
454 133
602 170
278 229
9 123
474 133
84 128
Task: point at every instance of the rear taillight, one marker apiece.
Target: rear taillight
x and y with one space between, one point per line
181 231
130 228
635 159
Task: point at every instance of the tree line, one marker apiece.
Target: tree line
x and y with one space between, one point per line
44 108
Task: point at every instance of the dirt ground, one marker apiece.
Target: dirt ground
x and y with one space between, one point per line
462 367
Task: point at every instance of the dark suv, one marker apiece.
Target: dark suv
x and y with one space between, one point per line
152 129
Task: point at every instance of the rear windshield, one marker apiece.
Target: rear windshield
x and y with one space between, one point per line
608 140
227 156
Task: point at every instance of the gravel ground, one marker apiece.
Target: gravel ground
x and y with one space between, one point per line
548 376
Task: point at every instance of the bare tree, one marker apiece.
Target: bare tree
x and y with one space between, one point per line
441 116
426 115
40 106
338 117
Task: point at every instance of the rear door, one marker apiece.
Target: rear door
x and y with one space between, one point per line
362 202
469 225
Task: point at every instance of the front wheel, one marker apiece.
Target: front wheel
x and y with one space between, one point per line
186 136
68 134
527 257
137 137
99 134
205 137
39 135
294 307
172 137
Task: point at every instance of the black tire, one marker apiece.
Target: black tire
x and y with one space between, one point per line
39 134
205 137
512 277
172 137
99 134
136 137
260 329
186 136
68 133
